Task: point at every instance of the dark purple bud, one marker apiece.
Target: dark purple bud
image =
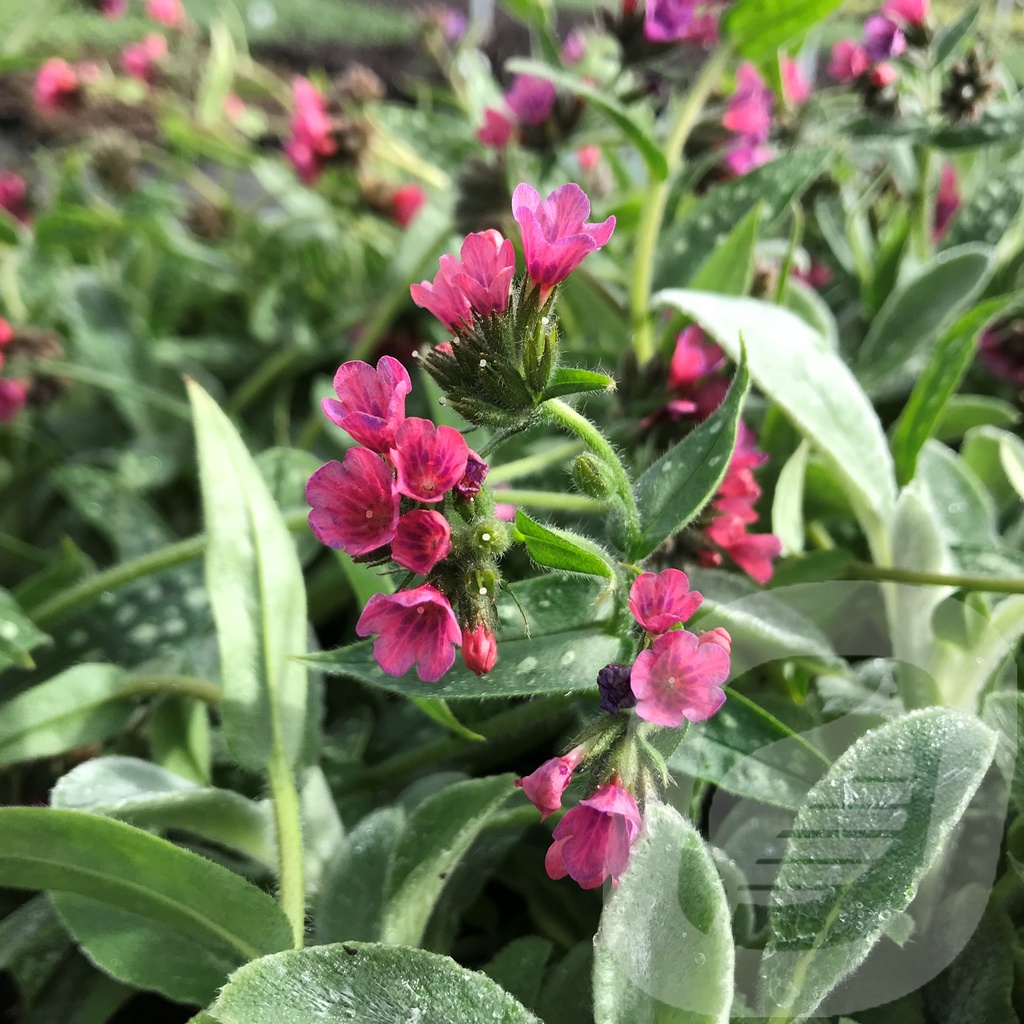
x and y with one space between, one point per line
476 472
883 39
613 682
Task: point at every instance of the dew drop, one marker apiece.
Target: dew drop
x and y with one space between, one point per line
369 513
483 363
485 537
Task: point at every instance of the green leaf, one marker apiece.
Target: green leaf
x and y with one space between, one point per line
941 376
953 35
664 951
133 871
86 704
649 150
1004 712
352 894
438 710
560 549
355 983
750 753
686 240
789 363
257 593
566 995
435 838
788 503
990 215
867 835
729 269
674 489
18 634
569 644
519 968
998 126
961 507
758 28
963 412
179 738
803 300
570 381
994 454
919 309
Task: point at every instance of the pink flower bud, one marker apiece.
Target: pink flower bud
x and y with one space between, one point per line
545 786
849 61
13 395
719 635
497 128
405 204
795 87
531 99
913 12
659 602
167 12
479 649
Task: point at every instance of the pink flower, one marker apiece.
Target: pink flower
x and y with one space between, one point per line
588 157
750 108
719 635
738 493
167 12
556 235
746 155
479 649
659 602
679 679
666 21
405 204
883 39
354 503
817 275
6 336
497 128
947 201
114 9
848 62
415 627
694 357
429 460
531 99
477 285
311 140
795 87
574 48
913 12
13 195
423 539
13 395
882 75
753 553
545 786
234 107
138 59
593 840
56 85
371 402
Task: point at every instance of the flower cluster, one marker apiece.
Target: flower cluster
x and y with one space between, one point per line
311 140
58 86
141 60
13 393
384 500
527 103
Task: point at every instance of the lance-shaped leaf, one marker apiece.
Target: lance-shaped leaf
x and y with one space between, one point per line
257 593
18 634
560 549
677 486
664 952
568 380
759 27
861 844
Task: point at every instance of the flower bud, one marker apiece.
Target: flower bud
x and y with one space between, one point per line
590 474
545 786
719 635
479 649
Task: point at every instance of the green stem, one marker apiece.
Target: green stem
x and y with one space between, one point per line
656 199
986 584
288 830
576 423
265 375
178 686
533 463
922 225
118 576
556 501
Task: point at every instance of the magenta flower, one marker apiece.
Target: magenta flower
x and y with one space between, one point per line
167 12
14 195
753 553
56 85
738 493
140 59
545 786
694 357
750 107
679 679
423 539
883 39
477 285
947 201
912 12
795 87
13 396
668 21
530 99
848 61
882 75
747 155
311 140
497 128
354 503
479 649
719 635
406 201
371 402
593 840
429 460
574 48
588 157
415 627
114 9
659 602
556 235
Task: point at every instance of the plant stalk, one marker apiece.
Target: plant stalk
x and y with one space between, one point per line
288 831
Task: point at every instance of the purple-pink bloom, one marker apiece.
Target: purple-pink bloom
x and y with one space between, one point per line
497 128
56 85
415 627
613 686
114 9
167 12
913 12
545 786
574 48
556 235
429 460
753 553
476 472
883 39
694 357
311 140
679 679
667 21
13 396
530 99
354 503
371 402
795 87
659 602
423 539
13 195
947 201
746 155
140 59
592 841
848 61
749 112
479 649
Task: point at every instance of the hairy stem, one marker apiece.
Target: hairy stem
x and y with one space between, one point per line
985 584
178 686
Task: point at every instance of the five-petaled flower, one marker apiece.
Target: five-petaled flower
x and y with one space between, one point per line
429 460
371 402
661 602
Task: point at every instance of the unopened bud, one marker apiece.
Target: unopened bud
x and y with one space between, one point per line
591 476
719 635
479 649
